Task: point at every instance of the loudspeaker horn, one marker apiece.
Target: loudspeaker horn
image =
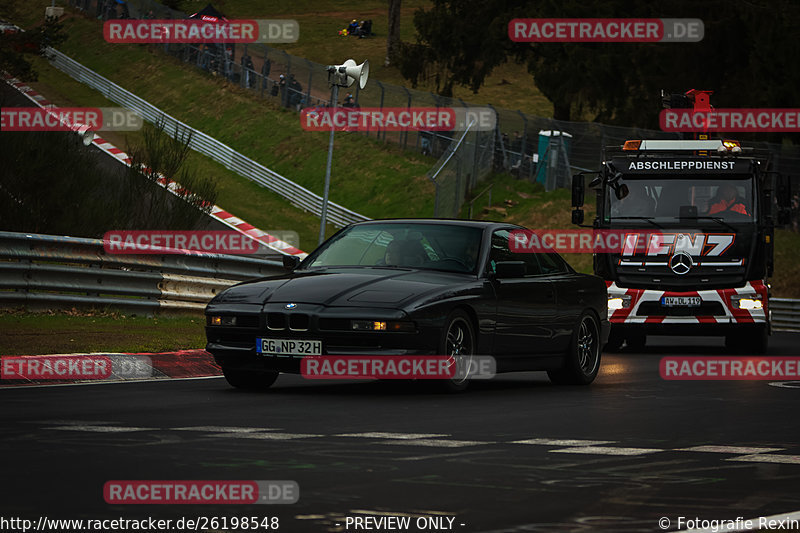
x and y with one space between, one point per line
356 72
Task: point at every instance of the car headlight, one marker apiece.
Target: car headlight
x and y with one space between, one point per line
619 302
750 301
217 320
379 325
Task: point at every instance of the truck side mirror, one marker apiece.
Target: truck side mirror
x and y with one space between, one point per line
577 216
621 191
577 191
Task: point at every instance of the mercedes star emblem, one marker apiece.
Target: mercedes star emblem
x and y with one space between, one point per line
681 263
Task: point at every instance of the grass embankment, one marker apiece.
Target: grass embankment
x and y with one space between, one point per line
48 333
369 177
510 85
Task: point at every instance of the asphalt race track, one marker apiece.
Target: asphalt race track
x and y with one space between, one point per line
512 454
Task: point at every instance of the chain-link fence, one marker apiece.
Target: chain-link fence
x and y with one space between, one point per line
533 148
452 175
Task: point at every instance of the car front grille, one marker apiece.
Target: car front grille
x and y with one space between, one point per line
290 321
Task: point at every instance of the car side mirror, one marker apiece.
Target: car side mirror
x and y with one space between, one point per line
509 269
290 262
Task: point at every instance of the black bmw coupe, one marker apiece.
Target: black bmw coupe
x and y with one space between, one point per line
409 288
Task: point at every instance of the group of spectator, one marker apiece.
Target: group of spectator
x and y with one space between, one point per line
358 29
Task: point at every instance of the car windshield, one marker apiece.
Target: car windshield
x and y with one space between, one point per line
446 247
667 199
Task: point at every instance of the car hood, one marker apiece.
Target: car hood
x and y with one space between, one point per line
367 287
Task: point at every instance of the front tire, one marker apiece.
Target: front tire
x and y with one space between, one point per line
582 361
250 380
458 342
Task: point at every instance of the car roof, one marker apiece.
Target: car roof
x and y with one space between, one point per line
442 222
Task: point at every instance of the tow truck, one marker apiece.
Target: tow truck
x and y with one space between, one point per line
697 218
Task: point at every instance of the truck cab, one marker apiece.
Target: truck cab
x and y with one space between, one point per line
697 246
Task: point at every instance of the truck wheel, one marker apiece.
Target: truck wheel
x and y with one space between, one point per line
250 380
582 361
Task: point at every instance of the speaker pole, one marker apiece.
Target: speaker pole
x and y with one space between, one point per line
335 99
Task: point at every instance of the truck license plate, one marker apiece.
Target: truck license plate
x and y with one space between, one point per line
680 301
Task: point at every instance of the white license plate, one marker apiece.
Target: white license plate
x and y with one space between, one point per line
288 347
681 301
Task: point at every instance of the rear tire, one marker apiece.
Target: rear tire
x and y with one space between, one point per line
582 361
250 380
458 342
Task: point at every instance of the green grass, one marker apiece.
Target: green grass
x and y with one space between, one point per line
369 177
47 333
510 86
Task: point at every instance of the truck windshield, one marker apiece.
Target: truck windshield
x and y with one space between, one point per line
666 198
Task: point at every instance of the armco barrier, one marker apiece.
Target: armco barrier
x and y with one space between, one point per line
206 145
785 314
50 272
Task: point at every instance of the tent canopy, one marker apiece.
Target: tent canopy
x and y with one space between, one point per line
209 13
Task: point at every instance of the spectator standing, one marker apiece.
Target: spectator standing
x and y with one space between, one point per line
282 89
248 71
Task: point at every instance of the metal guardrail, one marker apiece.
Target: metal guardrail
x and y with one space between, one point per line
785 314
205 144
50 272
46 272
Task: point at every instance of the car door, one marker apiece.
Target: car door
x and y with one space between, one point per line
526 306
571 298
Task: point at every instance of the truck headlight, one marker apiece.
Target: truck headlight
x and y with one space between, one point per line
747 302
619 302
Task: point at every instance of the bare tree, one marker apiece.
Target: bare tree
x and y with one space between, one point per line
393 36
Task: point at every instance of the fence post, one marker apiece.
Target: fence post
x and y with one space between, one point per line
383 93
524 141
285 95
310 79
405 133
476 139
459 197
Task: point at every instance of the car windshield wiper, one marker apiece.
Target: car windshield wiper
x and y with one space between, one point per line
715 219
648 219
